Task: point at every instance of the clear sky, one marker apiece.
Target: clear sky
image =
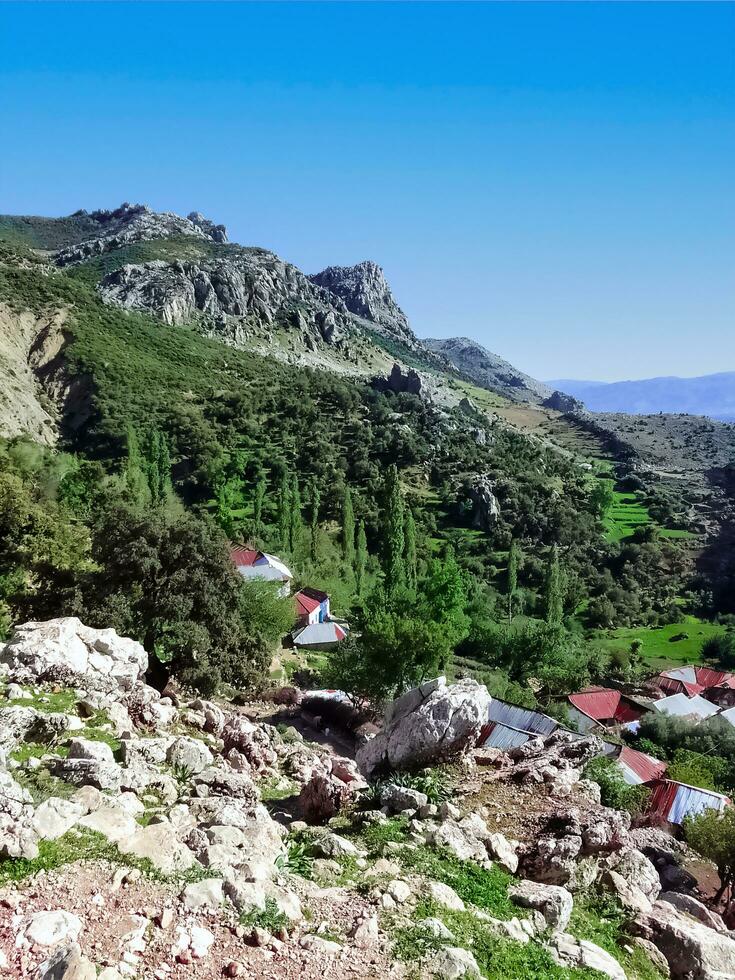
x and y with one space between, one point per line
555 181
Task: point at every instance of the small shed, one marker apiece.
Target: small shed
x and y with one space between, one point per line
676 801
695 708
320 636
312 606
638 767
509 725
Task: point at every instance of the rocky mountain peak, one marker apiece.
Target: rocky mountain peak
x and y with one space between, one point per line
366 293
132 223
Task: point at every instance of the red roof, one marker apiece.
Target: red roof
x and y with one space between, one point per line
308 600
704 677
604 704
599 703
644 766
244 557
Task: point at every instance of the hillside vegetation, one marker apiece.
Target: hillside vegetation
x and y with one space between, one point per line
168 433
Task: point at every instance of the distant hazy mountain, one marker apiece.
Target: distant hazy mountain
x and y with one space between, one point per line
712 394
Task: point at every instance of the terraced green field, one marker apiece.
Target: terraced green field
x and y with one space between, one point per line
625 516
665 646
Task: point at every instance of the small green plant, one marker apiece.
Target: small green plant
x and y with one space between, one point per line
375 835
270 917
487 888
297 860
182 774
86 845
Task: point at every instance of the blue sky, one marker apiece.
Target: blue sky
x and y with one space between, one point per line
555 181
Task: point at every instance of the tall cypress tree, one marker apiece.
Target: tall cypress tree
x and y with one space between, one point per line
158 466
134 471
294 521
165 486
348 526
284 509
258 501
393 534
410 544
514 555
361 555
554 590
314 502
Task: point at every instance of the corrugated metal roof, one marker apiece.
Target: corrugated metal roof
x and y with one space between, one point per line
307 600
687 674
676 801
638 767
319 633
684 707
597 703
523 719
244 557
695 678
494 735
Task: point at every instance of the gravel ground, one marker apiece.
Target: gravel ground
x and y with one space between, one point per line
109 917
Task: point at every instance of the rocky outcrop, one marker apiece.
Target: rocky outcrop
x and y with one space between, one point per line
692 949
428 724
48 650
485 506
562 402
399 383
132 223
365 292
244 288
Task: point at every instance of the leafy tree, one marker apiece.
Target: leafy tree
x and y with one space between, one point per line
361 556
514 557
720 650
158 466
614 791
393 533
170 584
348 526
713 834
554 590
314 502
410 555
405 637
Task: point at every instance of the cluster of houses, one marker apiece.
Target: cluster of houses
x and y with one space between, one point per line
314 626
692 692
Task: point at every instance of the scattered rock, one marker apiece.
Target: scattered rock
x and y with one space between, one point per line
50 928
453 963
553 902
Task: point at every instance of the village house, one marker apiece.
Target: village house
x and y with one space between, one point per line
320 636
694 708
312 606
252 564
638 767
674 802
602 707
717 686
